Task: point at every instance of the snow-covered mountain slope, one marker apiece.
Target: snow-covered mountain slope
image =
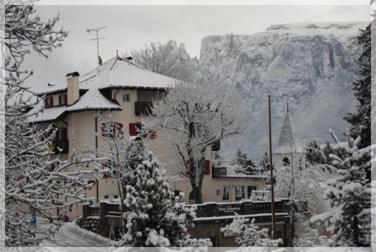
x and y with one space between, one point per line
310 66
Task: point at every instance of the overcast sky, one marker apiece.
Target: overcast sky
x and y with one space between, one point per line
131 27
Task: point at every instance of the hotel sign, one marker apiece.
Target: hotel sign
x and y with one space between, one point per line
225 209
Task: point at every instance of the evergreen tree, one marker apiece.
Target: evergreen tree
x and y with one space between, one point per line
360 120
154 217
245 165
349 195
314 153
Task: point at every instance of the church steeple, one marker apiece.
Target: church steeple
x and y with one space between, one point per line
286 137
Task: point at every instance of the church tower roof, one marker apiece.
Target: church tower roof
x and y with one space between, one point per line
286 141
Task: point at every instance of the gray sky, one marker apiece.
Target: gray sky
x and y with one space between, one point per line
131 27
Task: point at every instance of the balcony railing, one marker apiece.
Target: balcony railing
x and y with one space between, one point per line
222 172
60 146
143 108
241 208
219 172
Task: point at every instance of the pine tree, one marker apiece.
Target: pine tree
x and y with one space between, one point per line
349 195
360 120
314 153
245 164
249 234
154 217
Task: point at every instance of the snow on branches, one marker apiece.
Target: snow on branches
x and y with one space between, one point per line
194 117
248 234
349 194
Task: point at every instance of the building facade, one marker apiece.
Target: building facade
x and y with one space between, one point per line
114 100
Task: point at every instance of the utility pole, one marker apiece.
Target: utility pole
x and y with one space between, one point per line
97 38
271 168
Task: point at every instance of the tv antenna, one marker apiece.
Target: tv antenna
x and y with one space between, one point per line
97 38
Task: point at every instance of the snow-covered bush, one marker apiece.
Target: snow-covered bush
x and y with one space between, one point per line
248 234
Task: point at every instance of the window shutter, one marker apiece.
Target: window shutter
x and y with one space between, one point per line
206 167
65 99
133 129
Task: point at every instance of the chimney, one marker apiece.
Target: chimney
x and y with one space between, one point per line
73 90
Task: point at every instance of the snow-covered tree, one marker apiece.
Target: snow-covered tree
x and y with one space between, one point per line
310 237
194 117
243 163
349 194
154 216
36 184
169 59
360 120
249 234
314 153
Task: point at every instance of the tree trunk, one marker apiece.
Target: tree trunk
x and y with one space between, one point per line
196 194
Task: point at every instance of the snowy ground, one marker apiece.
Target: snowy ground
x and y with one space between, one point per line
70 235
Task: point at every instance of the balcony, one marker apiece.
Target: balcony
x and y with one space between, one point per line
143 108
219 172
60 146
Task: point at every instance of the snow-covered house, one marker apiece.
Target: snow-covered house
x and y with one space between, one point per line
288 152
114 99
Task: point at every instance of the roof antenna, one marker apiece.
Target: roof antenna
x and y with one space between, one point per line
97 38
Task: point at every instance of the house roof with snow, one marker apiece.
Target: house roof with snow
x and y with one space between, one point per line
114 73
93 100
41 114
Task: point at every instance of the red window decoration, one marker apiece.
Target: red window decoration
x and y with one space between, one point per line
63 99
206 167
112 129
134 129
49 101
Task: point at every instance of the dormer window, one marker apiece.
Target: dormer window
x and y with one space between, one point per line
63 99
49 101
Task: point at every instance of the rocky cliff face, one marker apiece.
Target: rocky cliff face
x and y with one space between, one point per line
310 66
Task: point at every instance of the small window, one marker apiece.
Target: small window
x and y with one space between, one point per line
286 161
49 101
126 98
226 193
239 192
63 99
61 134
249 190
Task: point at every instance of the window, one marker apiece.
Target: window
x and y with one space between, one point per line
63 99
61 134
49 101
112 129
239 192
286 161
126 98
250 189
134 129
226 193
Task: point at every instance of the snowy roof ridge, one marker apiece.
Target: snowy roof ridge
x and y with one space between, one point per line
119 72
93 100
